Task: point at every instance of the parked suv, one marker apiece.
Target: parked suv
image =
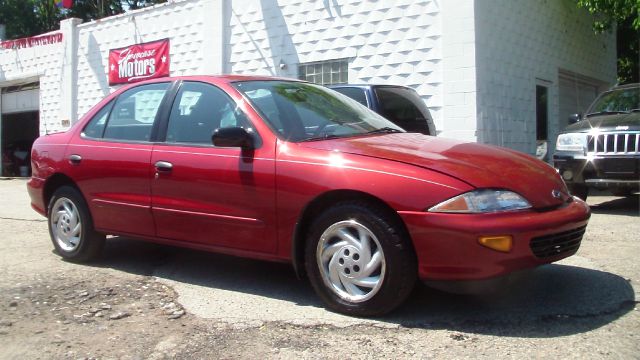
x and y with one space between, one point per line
601 149
400 104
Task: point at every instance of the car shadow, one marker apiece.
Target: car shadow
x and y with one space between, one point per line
552 300
629 206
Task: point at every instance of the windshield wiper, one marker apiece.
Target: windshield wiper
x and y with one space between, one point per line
323 137
385 129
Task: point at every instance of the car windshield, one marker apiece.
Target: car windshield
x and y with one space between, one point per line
620 100
300 111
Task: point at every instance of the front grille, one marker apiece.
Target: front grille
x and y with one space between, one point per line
613 143
557 244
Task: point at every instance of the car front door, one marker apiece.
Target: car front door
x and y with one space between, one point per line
111 161
202 194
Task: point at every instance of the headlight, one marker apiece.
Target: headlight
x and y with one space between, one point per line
576 142
483 201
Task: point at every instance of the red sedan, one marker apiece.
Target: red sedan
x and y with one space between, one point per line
288 171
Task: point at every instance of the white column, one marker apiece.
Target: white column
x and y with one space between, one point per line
459 70
213 44
69 81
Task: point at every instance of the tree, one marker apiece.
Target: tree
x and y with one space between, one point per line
28 17
97 9
25 18
626 15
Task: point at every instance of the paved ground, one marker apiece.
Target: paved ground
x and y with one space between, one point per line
148 301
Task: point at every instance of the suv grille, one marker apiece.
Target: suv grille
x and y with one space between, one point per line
613 143
557 244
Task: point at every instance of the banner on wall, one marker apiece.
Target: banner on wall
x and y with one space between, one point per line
139 62
31 41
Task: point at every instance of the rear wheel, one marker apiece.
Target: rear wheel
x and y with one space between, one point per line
359 260
71 226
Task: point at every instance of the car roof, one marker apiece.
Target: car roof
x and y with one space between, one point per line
225 78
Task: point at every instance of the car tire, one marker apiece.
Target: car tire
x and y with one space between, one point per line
621 192
360 260
71 226
579 190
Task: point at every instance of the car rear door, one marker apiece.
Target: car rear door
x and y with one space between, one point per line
202 194
111 160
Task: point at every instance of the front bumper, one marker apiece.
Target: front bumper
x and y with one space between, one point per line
600 172
447 244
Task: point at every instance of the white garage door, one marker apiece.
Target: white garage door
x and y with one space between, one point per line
576 94
20 101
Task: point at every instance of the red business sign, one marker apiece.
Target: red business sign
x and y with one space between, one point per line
139 62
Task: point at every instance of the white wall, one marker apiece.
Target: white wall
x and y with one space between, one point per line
386 42
459 70
520 43
191 26
39 63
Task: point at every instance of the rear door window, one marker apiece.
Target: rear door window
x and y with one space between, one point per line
134 113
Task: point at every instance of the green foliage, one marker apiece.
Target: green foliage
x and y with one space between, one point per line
25 18
610 11
28 17
97 9
626 15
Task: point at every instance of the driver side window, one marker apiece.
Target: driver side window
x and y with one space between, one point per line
198 110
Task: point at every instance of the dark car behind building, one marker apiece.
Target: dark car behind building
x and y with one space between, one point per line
400 104
602 148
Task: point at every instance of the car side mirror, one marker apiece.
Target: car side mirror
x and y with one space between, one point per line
574 118
232 137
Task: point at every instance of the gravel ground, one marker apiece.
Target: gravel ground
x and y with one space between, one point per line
148 301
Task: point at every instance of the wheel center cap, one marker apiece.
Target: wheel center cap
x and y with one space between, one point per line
350 261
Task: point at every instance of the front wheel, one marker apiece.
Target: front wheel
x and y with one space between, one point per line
71 227
579 190
624 192
359 260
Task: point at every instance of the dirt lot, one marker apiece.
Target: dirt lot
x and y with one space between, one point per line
148 301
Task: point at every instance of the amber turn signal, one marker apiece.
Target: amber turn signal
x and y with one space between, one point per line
499 243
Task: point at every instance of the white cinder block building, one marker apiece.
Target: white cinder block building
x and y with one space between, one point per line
505 72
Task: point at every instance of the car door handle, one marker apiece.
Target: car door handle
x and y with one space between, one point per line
75 159
163 166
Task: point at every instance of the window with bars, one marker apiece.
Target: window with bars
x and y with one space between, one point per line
325 72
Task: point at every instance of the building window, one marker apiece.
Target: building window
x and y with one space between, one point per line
325 72
542 121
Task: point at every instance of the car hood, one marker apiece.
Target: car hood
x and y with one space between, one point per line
611 122
481 166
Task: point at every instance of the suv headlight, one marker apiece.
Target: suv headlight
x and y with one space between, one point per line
575 142
482 201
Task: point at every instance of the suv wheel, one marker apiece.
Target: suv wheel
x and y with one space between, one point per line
579 190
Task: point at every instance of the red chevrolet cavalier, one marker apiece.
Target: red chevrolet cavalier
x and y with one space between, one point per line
289 171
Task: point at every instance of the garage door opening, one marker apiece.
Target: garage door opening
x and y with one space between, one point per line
19 131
